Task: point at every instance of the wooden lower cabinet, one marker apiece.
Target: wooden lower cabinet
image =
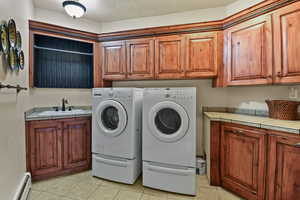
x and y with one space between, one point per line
243 161
255 163
77 143
56 147
284 167
44 148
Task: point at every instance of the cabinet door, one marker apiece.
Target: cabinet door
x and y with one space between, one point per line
284 170
140 59
77 143
113 60
44 147
203 57
249 52
169 57
243 161
287 44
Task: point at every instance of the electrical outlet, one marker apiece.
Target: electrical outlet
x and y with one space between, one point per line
293 93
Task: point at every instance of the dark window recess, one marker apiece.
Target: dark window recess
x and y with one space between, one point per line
168 121
62 63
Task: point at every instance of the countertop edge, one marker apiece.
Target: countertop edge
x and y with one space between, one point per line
263 122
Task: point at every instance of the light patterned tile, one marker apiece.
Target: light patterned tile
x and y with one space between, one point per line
34 195
86 177
43 185
207 194
173 196
60 187
128 195
153 192
136 187
225 195
150 197
112 184
104 193
83 186
81 191
50 196
202 181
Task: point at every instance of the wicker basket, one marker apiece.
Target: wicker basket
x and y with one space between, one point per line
284 110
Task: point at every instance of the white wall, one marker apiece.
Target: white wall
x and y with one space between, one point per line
165 20
62 19
12 137
240 5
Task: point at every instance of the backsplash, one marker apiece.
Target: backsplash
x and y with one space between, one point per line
244 111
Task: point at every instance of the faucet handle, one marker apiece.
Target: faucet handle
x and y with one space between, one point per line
56 108
71 108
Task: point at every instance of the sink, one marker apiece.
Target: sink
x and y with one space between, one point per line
61 113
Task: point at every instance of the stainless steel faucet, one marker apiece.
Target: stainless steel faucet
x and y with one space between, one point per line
64 102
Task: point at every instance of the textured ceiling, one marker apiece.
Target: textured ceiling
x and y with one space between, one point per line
113 10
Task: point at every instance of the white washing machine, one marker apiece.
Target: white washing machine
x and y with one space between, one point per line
169 139
117 134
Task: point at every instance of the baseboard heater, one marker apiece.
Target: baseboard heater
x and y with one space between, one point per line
24 188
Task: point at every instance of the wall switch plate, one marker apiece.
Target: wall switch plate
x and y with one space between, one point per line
293 93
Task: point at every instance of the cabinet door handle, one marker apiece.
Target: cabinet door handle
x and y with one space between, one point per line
297 145
253 192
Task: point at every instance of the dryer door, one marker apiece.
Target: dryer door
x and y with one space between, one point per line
111 118
168 121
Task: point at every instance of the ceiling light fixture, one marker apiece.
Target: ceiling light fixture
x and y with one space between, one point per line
74 8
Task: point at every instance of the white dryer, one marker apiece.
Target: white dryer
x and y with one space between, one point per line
116 133
169 139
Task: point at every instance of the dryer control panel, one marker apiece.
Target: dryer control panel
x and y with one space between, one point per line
175 93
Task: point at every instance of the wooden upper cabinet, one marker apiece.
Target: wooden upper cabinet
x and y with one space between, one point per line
284 171
140 58
77 140
287 44
45 149
249 52
169 57
203 54
243 161
113 60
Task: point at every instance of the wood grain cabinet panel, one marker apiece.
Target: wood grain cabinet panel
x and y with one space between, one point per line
45 149
202 55
77 149
284 170
243 161
287 44
169 57
249 52
56 147
113 60
140 59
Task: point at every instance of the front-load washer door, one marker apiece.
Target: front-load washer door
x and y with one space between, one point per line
168 121
111 118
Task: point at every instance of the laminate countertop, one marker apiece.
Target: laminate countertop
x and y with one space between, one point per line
48 113
255 121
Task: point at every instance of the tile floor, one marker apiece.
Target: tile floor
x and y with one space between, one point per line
83 186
